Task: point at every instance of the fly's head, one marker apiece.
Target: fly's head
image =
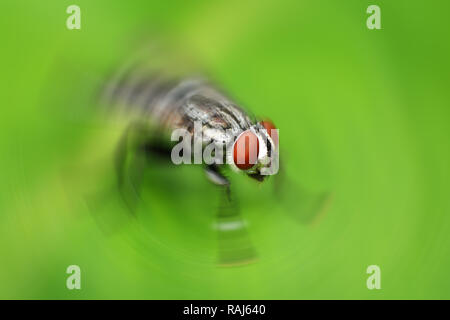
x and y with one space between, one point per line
255 151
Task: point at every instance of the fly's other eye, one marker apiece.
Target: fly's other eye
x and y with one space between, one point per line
269 126
246 148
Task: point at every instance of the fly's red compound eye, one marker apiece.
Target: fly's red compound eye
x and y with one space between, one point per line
246 148
269 126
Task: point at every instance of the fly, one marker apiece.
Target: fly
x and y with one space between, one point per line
157 104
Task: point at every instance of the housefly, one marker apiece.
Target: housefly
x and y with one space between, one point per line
158 102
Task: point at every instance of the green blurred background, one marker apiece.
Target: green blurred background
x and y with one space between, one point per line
362 113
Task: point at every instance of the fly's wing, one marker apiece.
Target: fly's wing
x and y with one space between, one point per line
303 205
311 206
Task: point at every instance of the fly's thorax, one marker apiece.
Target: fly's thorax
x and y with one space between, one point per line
217 142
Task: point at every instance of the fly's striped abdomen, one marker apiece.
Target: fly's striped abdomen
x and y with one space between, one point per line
176 103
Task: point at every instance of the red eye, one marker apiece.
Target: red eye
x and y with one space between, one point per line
246 150
269 126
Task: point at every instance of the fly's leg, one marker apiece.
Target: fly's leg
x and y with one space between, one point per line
135 148
129 164
235 246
